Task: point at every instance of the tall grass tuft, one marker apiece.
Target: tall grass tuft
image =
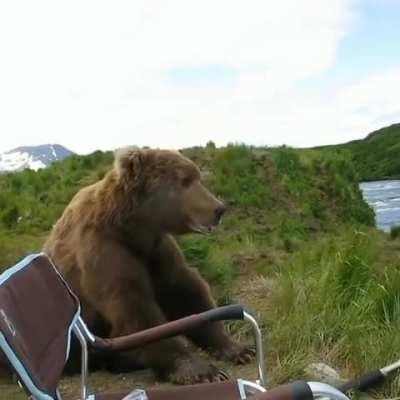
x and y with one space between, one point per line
338 305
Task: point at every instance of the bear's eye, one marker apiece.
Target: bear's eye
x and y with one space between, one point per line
186 181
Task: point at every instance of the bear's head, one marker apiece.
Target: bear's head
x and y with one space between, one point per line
166 192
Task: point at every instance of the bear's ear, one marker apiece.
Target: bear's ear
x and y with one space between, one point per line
128 161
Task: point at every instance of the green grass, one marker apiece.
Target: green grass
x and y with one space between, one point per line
14 246
238 178
213 262
297 246
337 302
31 201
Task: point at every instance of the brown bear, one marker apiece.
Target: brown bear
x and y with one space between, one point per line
114 244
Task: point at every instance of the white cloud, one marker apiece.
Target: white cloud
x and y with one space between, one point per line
346 112
93 74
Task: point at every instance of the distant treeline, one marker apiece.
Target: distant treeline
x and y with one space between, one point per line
377 156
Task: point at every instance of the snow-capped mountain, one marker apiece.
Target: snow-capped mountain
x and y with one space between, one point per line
32 157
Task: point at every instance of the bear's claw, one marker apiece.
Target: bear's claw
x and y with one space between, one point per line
236 353
191 371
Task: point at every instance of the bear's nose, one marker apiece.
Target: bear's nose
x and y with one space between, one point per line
219 212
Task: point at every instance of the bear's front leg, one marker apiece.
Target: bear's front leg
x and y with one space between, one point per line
193 296
169 358
181 291
127 303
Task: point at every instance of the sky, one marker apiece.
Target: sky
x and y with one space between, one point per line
94 74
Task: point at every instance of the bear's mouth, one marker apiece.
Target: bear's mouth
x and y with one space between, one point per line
203 229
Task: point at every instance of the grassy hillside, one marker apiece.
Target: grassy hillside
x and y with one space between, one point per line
283 191
298 247
378 155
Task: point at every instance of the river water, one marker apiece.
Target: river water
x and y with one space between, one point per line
384 197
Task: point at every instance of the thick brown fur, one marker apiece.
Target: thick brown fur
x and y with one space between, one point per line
114 244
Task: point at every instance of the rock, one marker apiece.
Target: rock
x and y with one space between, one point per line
321 372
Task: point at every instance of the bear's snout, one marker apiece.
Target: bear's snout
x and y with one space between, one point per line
219 212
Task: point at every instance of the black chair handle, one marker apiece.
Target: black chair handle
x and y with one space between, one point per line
225 313
367 381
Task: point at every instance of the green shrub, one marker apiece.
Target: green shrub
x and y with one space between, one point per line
9 216
376 156
32 201
395 232
237 177
210 145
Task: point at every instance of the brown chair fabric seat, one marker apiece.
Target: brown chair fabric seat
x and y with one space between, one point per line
37 312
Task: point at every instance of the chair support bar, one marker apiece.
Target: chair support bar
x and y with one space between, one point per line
173 328
262 379
84 361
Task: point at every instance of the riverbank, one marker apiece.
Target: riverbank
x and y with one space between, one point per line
384 197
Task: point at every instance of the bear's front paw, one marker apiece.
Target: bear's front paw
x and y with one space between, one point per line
191 371
236 353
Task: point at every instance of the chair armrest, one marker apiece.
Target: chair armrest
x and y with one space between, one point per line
180 326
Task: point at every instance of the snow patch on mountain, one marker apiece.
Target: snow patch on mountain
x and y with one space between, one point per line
32 157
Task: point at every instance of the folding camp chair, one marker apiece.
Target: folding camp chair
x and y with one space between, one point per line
39 313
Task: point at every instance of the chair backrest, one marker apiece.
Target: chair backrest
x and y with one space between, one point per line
37 314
